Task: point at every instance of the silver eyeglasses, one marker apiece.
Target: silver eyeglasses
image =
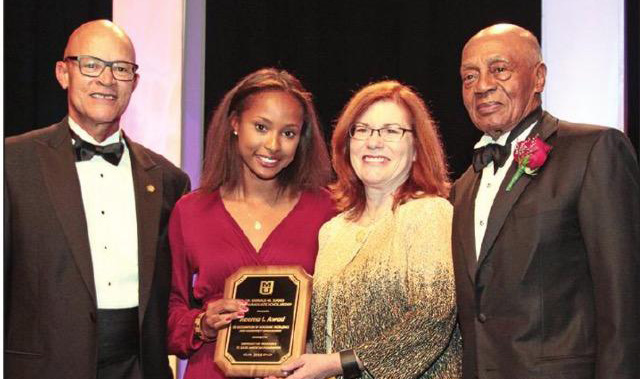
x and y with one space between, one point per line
389 132
93 67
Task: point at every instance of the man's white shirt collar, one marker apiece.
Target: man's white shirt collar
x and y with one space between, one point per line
77 129
487 139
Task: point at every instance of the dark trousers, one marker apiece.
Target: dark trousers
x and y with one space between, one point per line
118 344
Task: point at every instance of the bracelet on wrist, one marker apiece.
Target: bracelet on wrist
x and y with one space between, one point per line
197 328
349 363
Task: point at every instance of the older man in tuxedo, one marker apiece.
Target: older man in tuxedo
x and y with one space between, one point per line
86 209
546 263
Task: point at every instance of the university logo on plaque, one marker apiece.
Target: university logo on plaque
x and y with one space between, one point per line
266 287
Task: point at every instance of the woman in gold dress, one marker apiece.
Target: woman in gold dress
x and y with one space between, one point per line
383 293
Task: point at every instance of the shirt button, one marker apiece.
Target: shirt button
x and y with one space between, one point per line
488 185
482 318
102 212
481 223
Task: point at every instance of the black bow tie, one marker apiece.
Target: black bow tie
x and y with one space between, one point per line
499 154
111 153
492 152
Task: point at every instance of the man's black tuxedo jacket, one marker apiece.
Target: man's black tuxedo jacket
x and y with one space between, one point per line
555 292
50 308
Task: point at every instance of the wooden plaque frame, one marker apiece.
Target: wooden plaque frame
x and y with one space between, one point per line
274 330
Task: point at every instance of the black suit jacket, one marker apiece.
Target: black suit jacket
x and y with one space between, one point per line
50 309
555 292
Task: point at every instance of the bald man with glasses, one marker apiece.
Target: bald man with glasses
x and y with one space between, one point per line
87 263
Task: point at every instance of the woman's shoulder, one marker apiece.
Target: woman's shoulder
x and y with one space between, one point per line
428 203
338 221
197 199
427 210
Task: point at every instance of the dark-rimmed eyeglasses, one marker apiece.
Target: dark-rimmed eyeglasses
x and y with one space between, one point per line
389 132
93 67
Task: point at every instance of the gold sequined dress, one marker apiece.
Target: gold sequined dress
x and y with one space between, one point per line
387 291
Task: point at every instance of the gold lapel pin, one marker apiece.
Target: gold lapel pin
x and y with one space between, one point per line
151 188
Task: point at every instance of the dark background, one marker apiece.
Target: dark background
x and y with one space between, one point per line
334 47
35 34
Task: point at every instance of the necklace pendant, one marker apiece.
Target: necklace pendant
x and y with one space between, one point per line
257 225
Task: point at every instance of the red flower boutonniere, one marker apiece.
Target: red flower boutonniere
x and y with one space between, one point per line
530 155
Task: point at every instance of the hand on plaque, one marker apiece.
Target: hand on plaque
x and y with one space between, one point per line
218 314
313 366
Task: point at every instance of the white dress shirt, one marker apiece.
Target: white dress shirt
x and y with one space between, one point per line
110 209
490 183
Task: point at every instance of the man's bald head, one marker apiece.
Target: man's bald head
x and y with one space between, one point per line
519 35
98 31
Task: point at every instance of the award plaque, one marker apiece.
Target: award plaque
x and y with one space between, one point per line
274 330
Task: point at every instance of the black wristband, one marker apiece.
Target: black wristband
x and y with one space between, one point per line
349 363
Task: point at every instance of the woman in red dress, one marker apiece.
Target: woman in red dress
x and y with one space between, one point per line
261 202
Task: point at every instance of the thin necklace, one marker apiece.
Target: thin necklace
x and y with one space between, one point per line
257 225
